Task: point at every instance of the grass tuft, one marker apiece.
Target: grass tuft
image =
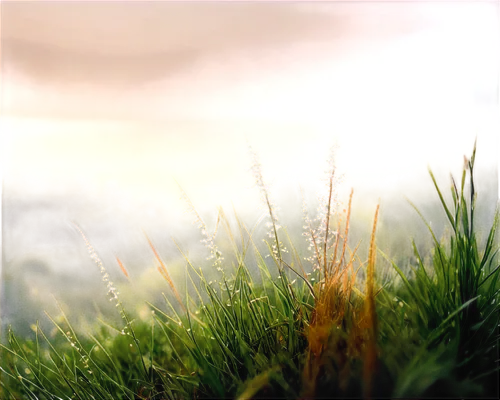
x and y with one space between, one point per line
322 327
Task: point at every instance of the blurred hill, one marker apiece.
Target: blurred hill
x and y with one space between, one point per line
42 251
36 220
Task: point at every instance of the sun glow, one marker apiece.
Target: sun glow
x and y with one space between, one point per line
392 106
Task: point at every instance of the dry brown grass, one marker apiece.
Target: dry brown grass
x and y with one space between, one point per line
342 329
370 357
164 272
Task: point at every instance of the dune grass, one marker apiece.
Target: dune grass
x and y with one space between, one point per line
321 326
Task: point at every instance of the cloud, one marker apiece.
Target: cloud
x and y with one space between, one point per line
123 44
53 66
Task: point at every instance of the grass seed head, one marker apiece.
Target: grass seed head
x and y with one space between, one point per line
273 226
208 238
112 291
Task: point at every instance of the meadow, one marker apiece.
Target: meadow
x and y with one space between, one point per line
282 322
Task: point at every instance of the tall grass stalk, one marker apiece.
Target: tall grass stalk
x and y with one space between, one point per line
113 292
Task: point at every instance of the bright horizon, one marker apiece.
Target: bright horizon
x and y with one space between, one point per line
397 86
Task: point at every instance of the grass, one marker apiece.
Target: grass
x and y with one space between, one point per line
324 328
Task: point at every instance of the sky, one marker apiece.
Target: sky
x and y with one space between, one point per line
121 103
